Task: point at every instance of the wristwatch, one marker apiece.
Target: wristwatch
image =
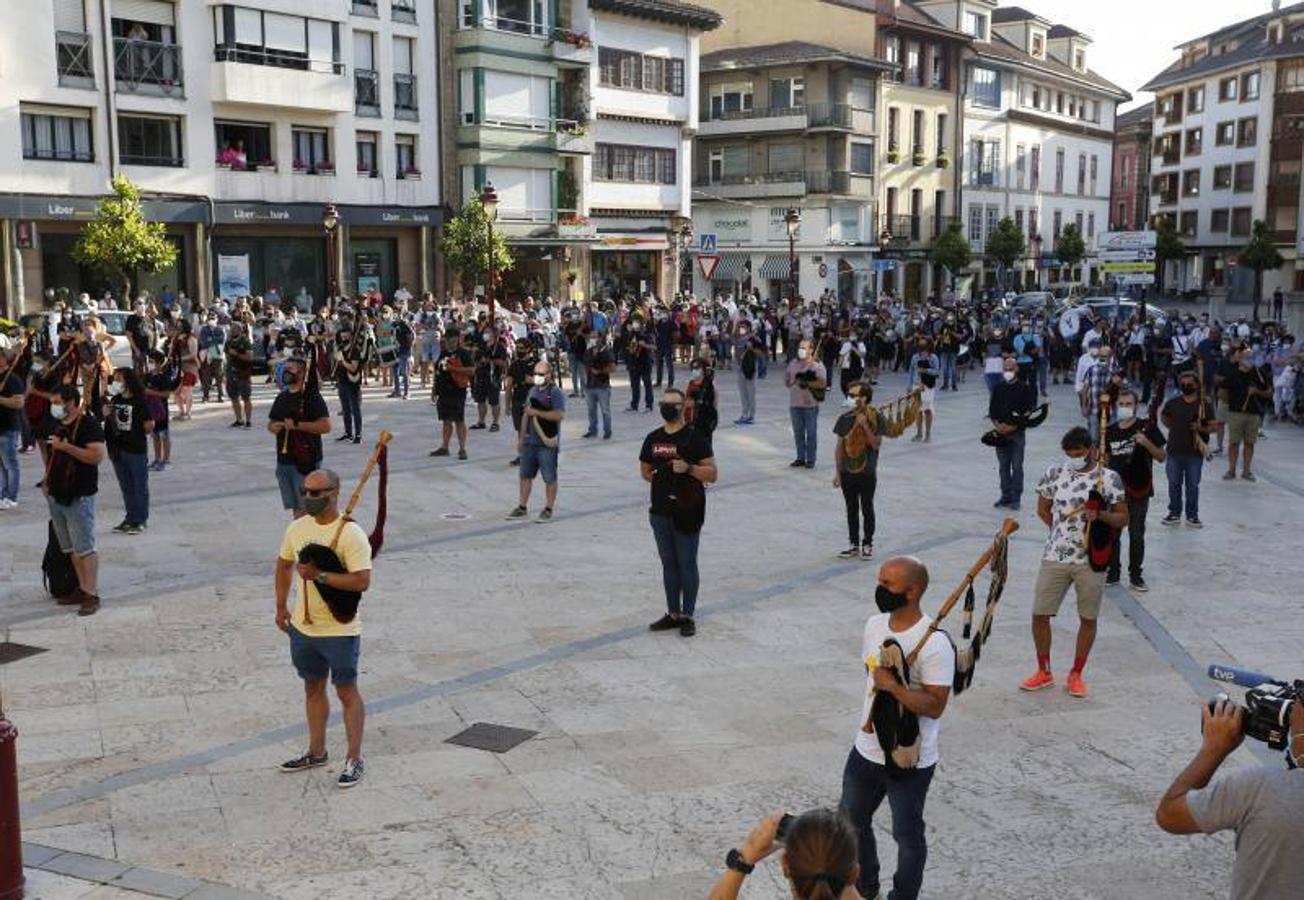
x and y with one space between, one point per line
736 862
320 580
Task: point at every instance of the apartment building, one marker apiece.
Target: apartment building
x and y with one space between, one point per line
1038 135
1228 140
240 121
918 175
789 119
1129 192
645 113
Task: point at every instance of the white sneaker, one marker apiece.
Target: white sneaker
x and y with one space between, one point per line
8 504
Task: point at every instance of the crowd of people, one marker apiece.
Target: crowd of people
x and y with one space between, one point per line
1210 385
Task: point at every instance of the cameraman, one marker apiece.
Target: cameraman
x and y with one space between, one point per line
819 857
1262 804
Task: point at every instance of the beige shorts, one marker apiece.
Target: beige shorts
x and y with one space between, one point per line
1242 428
1054 580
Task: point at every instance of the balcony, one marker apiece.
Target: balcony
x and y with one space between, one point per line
148 67
571 48
753 121
405 97
840 184
1165 198
754 186
573 136
263 77
835 116
366 8
366 93
150 159
73 59
403 11
897 230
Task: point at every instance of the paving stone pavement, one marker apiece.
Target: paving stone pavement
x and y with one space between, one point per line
149 733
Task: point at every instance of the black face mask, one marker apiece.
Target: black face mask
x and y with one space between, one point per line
888 601
670 411
1189 389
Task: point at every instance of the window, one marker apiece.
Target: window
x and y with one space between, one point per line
272 39
939 69
312 151
1082 174
727 100
1034 168
1020 165
1219 220
1018 217
993 219
1191 183
1038 44
1091 225
1290 78
941 133
405 157
892 55
512 99
1249 86
521 16
892 118
916 213
976 25
632 71
149 141
1222 178
1077 222
890 204
917 137
914 71
862 159
405 82
1194 141
787 93
1059 102
1080 61
1073 106
939 211
1241 221
1243 178
1188 223
63 135
1227 89
1195 100
985 162
403 11
1225 134
986 87
1247 132
366 86
366 143
1120 219
1058 226
862 93
244 146
1059 171
1095 111
1032 223
637 165
1095 173
975 224
785 159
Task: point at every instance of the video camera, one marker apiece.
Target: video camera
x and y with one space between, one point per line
1268 703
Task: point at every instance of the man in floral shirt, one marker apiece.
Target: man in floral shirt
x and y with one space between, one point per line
1062 505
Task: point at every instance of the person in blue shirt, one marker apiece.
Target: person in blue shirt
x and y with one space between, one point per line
1028 352
539 440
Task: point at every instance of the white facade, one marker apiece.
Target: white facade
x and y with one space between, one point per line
178 94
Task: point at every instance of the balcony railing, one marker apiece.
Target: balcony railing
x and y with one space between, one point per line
1166 198
282 59
405 96
366 92
828 115
403 11
73 59
769 112
150 159
897 229
537 216
502 23
148 64
366 8
826 182
750 178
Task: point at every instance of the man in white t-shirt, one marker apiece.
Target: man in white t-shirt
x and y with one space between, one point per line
867 780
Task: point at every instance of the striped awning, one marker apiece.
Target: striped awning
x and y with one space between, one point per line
775 267
729 268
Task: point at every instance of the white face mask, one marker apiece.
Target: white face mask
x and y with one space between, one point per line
1077 464
116 388
539 380
1126 412
802 353
57 410
1008 376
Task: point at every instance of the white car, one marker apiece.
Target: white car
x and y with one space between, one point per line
115 323
1113 309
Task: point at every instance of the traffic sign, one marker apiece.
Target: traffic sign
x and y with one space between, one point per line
1127 255
1126 240
1127 268
884 265
1137 278
706 244
707 264
824 270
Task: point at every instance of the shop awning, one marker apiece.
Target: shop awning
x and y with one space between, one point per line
729 268
775 267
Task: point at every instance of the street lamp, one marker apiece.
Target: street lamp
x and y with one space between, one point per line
884 241
330 221
489 200
793 220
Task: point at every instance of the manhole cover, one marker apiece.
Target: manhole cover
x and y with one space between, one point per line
494 738
11 652
455 516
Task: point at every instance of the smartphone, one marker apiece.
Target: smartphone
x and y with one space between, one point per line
781 833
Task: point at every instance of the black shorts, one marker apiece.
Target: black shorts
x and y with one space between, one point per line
486 390
451 408
238 387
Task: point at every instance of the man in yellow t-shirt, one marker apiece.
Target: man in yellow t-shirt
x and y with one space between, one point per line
320 644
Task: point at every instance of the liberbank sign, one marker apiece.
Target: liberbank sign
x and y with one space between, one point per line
227 213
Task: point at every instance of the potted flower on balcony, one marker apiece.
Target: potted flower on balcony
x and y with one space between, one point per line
324 168
577 39
412 172
917 158
943 159
893 153
300 165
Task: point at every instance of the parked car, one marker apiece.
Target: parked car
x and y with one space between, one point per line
1112 309
115 323
1034 301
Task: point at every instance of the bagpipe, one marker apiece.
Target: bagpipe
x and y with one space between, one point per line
808 377
895 417
896 727
1098 536
344 604
546 431
1023 418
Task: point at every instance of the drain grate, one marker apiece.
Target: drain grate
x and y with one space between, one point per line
494 738
11 652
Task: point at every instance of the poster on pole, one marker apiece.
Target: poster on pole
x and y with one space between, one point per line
366 269
233 276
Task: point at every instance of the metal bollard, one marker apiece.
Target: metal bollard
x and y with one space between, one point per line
11 833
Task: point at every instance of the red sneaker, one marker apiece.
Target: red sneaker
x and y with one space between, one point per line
1077 687
1042 679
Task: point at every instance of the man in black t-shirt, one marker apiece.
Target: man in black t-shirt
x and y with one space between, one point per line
517 385
76 449
1134 445
491 360
677 461
599 363
298 419
1243 393
453 375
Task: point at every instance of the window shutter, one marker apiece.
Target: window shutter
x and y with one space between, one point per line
153 12
70 15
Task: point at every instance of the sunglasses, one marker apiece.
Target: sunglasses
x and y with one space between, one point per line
316 492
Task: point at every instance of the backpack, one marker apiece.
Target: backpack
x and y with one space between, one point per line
56 568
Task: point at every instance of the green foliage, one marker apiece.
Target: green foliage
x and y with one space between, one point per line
1070 249
120 241
1260 255
1168 246
465 244
950 250
568 191
1006 245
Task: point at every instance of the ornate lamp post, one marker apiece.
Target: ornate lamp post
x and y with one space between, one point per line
330 221
489 200
884 241
793 220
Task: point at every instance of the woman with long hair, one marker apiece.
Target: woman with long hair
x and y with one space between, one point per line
185 350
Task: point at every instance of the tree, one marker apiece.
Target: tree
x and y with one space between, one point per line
120 242
951 251
1168 247
1260 255
465 245
1006 246
1070 249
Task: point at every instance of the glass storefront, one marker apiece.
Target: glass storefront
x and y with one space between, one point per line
60 271
373 265
258 265
625 272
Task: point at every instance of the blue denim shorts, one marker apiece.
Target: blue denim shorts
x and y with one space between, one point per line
74 525
316 657
535 458
289 480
